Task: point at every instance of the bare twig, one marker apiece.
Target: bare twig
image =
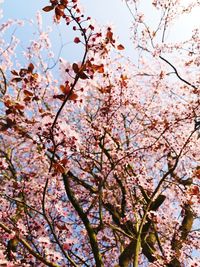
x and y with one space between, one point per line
177 74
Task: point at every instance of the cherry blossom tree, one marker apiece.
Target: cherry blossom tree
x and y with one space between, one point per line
99 158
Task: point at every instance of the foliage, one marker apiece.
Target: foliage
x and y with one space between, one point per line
99 166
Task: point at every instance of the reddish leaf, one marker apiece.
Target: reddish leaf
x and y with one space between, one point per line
65 89
23 72
64 2
83 76
64 161
109 36
28 93
98 68
19 106
61 6
27 99
59 12
48 8
16 80
61 226
120 47
66 246
58 167
7 103
34 76
73 96
61 97
106 89
195 190
14 72
197 173
101 69
58 17
54 2
75 67
30 67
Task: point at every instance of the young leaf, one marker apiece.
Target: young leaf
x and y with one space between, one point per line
14 72
75 67
30 67
48 8
65 89
16 80
120 47
83 76
59 12
73 96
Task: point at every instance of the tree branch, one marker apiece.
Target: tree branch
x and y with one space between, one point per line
29 248
85 220
177 74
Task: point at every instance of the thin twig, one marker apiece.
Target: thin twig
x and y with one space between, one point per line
177 74
29 248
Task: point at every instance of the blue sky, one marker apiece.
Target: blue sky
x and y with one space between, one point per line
105 12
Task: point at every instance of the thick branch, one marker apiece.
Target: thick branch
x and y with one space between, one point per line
127 255
144 239
185 228
84 218
3 90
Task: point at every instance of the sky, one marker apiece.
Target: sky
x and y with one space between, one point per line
112 12
105 12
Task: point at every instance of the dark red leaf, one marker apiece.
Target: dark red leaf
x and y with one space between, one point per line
83 76
16 80
61 6
30 67
54 2
59 12
64 2
65 89
48 8
120 47
75 67
27 99
28 93
195 190
14 72
73 96
61 97
23 72
19 106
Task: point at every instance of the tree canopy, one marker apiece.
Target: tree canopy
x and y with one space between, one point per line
100 158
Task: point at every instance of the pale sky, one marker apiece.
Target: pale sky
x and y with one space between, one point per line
105 12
